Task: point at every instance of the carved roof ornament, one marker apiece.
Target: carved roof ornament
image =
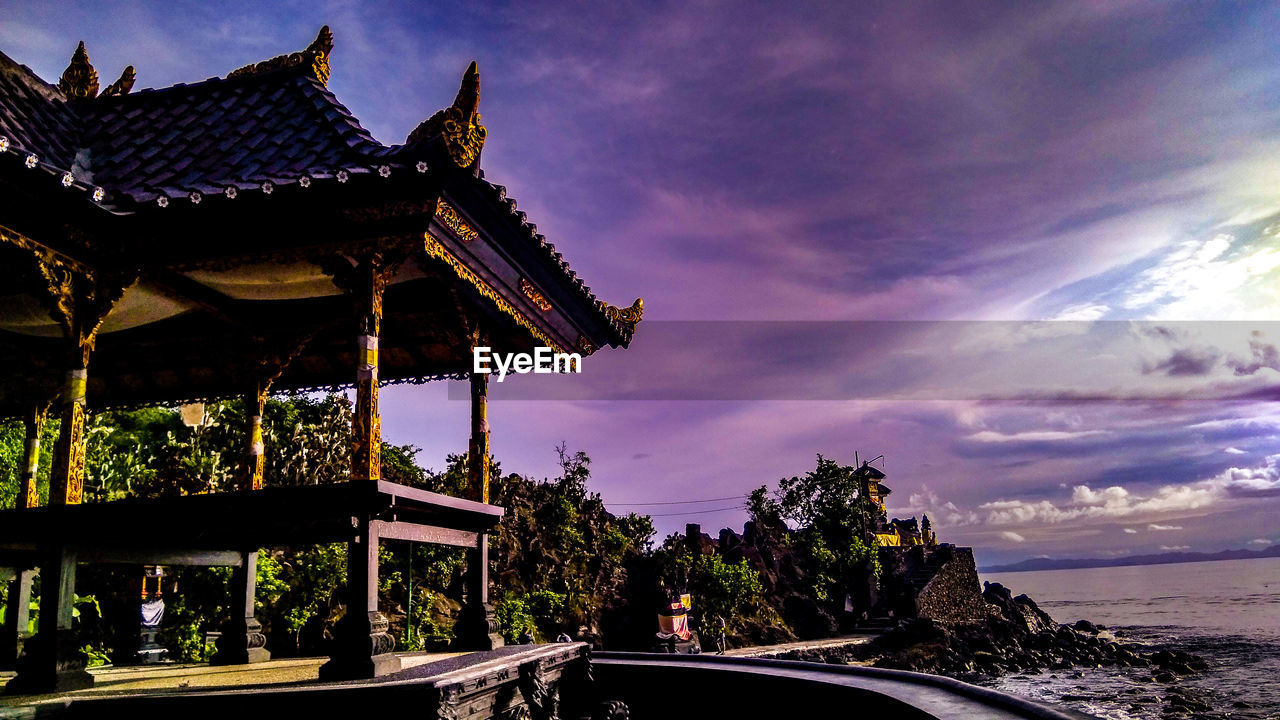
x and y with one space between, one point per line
79 81
628 315
315 58
121 86
458 125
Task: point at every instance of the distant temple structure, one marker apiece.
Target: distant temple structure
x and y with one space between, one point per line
885 532
229 239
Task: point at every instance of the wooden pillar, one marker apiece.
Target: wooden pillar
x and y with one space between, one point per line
366 423
255 466
242 640
28 494
478 627
478 453
362 647
66 481
16 617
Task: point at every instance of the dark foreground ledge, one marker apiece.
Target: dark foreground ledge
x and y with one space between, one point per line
543 682
654 686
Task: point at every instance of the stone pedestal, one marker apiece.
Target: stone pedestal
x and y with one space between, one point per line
52 660
477 628
241 643
242 640
17 614
362 647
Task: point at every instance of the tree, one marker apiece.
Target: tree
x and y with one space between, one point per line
825 507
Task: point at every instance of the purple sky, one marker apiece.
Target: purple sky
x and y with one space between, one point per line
920 162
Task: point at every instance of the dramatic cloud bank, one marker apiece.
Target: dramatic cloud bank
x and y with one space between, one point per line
1101 176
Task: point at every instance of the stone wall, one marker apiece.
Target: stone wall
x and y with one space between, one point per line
953 595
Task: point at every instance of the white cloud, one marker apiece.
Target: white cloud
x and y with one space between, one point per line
1083 312
1012 536
1130 531
1259 541
991 436
1234 451
1207 279
1112 502
941 514
1175 547
1154 526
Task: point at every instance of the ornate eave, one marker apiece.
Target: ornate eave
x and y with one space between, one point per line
314 59
341 194
458 126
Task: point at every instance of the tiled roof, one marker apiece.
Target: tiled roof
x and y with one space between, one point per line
236 132
216 134
246 131
34 116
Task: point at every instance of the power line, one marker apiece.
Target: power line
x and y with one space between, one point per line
677 502
700 512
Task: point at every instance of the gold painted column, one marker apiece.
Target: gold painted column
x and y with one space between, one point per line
478 452
255 468
366 423
28 495
66 481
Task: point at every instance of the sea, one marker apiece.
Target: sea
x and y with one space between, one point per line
1227 612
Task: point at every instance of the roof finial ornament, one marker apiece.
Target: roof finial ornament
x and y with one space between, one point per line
79 81
315 58
459 124
121 86
628 315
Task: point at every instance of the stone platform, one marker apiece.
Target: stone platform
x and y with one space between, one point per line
512 681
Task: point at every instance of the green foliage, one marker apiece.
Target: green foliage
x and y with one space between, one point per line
308 442
13 435
513 616
732 590
825 505
558 537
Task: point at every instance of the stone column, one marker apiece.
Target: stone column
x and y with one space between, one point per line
242 641
18 612
53 661
477 626
362 647
17 615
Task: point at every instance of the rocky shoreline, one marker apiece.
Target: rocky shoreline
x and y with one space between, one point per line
1019 639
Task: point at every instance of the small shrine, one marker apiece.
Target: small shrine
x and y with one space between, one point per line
233 238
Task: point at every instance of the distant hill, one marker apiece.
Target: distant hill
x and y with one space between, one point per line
1160 559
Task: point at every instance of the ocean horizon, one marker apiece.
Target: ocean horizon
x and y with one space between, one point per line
1226 611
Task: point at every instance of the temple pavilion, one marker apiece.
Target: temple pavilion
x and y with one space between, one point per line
237 237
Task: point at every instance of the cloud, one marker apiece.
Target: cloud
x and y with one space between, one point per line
1234 451
1193 361
991 436
1175 547
1154 526
1111 502
942 514
1012 536
1130 531
1259 541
